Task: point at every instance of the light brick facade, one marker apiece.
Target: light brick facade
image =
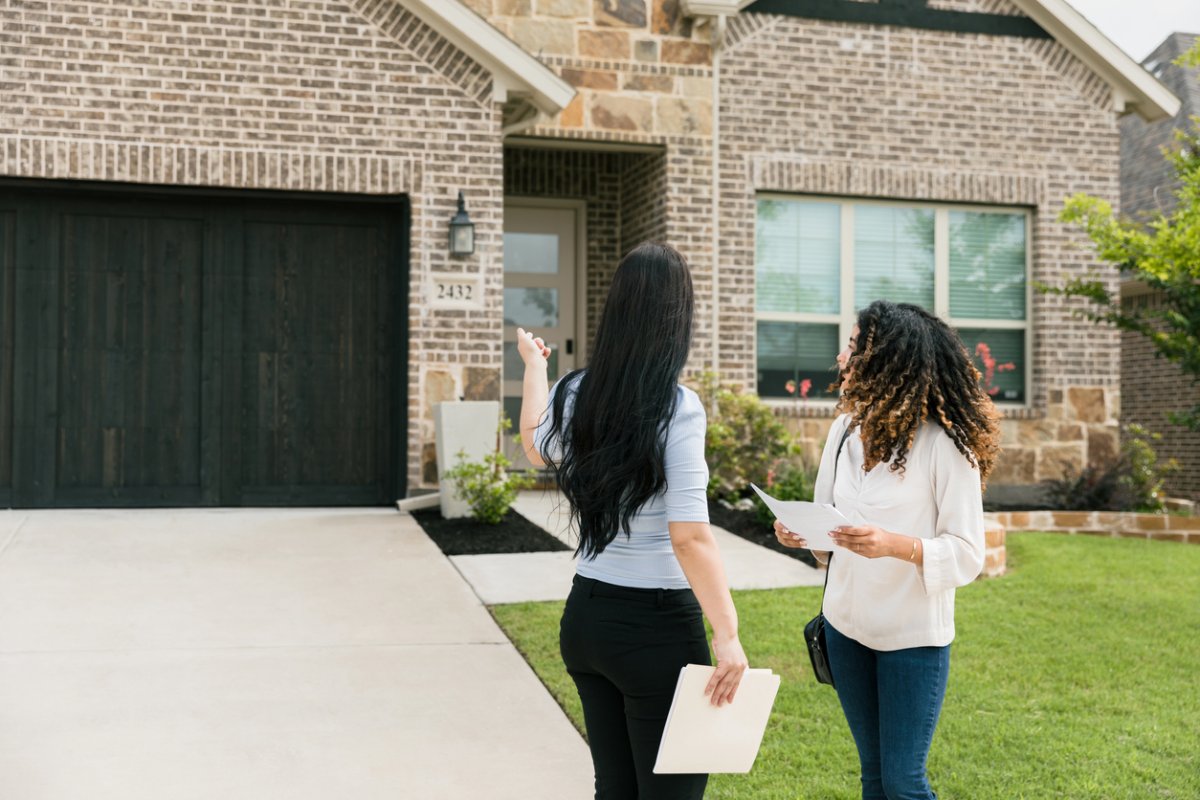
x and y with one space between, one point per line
900 113
361 97
320 96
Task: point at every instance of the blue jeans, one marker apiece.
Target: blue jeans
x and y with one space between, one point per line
892 700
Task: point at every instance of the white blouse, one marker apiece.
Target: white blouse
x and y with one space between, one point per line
887 603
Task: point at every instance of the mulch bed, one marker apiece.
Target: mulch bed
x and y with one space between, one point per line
747 525
468 537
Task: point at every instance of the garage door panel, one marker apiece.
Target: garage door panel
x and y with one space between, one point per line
129 363
8 273
311 347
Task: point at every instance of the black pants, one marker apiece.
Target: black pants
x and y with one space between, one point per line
624 649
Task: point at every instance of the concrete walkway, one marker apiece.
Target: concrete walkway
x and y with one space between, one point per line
180 654
518 577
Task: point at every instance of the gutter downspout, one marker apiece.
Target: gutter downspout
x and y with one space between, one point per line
718 39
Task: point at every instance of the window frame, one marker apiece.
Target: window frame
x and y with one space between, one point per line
846 319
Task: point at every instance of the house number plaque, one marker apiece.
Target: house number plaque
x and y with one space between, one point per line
455 291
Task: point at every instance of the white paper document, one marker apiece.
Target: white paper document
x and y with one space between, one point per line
700 737
813 521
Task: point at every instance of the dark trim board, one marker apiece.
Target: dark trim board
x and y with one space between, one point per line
903 13
179 348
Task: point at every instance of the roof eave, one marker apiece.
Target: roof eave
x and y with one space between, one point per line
514 71
1133 87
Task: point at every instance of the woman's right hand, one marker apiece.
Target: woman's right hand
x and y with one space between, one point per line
533 350
787 538
731 666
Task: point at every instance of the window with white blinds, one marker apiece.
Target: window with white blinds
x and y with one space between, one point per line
818 261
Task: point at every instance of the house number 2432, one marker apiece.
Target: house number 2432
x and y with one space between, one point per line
455 291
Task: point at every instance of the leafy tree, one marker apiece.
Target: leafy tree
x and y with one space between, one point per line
1163 253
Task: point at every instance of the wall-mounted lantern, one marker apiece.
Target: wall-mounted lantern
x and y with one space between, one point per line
462 231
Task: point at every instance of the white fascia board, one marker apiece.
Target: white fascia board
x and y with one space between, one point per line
713 8
513 70
1129 80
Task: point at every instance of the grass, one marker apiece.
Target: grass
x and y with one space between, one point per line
1077 675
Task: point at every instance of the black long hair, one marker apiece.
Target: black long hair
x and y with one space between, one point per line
612 447
910 366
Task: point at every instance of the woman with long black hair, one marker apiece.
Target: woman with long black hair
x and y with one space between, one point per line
915 444
625 443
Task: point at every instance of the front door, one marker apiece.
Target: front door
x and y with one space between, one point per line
540 265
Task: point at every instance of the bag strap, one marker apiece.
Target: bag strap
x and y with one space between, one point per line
836 458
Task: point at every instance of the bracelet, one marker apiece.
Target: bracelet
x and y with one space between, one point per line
913 555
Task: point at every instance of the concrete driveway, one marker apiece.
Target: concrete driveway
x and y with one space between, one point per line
260 654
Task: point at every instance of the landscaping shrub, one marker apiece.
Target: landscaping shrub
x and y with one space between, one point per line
744 440
488 486
1134 482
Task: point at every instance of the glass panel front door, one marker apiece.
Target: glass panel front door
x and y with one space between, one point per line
539 295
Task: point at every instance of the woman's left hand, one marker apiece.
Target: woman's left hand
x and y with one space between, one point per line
731 666
866 540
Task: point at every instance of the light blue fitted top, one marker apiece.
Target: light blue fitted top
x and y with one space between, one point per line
645 559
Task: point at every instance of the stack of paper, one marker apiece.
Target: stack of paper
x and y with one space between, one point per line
701 737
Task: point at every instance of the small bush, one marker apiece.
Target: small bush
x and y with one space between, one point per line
1093 489
1134 482
488 486
1144 476
744 439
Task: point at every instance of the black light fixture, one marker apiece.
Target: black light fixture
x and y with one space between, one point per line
462 231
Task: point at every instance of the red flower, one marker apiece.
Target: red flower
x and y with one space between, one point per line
990 367
805 386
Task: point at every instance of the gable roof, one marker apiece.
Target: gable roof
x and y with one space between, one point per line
515 73
1134 89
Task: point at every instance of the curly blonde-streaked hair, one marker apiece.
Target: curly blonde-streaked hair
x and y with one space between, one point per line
909 366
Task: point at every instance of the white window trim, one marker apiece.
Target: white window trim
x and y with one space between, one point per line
941 283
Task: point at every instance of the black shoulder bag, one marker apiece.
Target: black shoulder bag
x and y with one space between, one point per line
814 631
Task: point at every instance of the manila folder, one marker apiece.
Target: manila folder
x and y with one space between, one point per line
700 737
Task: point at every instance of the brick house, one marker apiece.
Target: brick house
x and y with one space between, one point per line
1153 386
224 224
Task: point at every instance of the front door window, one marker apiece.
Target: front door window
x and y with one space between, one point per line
539 294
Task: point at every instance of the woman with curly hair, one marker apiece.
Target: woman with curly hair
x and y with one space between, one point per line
915 442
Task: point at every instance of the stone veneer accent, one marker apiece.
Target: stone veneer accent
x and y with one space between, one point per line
1125 524
995 559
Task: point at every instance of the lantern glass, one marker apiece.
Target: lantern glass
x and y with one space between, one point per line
462 238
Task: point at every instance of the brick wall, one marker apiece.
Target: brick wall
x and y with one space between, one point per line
1152 387
355 96
811 107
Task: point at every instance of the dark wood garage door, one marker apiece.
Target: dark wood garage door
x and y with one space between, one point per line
161 349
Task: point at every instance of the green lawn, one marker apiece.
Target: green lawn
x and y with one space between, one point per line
1077 675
